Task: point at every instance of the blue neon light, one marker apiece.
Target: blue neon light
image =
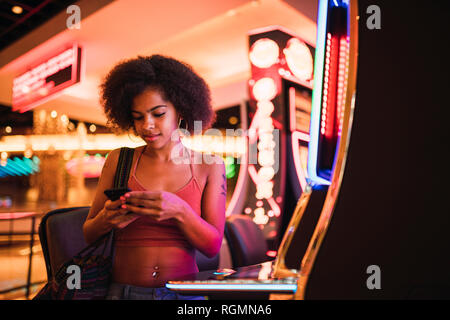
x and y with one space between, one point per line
20 167
313 145
232 287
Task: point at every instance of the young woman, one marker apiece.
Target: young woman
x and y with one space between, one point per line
175 207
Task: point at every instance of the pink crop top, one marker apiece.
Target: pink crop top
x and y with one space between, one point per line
146 232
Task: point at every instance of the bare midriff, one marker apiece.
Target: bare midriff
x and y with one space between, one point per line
152 266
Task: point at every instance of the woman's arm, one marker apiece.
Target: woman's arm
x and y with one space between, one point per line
105 214
206 232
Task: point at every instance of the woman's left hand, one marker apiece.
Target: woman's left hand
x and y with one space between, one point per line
160 205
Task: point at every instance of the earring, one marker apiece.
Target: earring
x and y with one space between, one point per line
179 124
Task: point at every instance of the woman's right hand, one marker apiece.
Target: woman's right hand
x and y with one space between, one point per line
115 216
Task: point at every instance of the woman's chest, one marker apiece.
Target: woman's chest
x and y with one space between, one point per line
168 177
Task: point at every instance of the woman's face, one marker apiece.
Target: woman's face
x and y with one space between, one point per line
155 119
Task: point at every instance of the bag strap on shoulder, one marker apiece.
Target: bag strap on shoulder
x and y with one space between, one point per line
123 167
120 181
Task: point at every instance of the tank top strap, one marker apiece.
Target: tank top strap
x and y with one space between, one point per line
133 172
191 163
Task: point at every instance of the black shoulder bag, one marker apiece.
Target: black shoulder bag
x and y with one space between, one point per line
93 269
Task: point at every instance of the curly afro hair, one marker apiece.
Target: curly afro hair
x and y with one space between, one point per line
177 82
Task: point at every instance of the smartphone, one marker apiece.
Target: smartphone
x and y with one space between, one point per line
115 193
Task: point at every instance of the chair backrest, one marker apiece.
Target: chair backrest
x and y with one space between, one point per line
204 263
246 241
61 236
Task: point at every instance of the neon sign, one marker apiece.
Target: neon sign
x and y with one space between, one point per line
91 166
276 57
19 167
49 77
331 74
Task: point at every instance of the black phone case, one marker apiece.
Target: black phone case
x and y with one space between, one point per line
115 193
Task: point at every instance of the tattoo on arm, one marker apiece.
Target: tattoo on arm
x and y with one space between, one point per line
224 185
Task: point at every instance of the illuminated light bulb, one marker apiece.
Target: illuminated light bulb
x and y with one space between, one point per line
259 203
264 190
260 217
266 174
265 108
92 128
64 118
270 213
266 125
265 89
264 53
233 120
299 59
17 9
8 129
4 155
266 144
248 210
53 114
266 158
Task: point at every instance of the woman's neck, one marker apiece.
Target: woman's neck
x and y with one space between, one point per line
165 153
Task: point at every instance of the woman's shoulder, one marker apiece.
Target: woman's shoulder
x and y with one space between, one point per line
207 163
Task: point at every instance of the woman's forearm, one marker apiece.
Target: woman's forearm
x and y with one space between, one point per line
199 232
94 228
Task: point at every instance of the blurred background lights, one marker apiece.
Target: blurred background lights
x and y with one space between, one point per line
53 114
265 108
264 53
17 9
299 59
233 120
8 129
92 128
265 89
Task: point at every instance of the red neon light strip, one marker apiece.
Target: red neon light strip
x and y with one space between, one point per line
15 215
